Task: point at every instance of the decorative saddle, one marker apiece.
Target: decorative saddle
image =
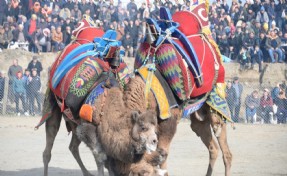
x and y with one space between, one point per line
183 54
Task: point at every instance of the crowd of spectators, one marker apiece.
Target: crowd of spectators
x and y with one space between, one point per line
250 33
24 87
253 32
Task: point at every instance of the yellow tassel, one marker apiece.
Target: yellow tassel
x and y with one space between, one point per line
220 89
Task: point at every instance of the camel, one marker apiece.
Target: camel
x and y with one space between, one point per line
127 134
119 135
148 164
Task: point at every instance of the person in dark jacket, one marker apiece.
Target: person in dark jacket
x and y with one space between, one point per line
35 64
237 102
230 98
19 91
34 86
282 108
128 45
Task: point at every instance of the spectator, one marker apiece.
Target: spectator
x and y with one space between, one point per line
6 37
249 43
57 38
65 13
34 86
258 57
42 38
2 84
76 14
252 102
128 45
282 108
266 106
273 43
27 74
243 58
237 102
13 69
262 16
35 64
3 43
19 92
131 6
67 35
230 98
19 35
31 25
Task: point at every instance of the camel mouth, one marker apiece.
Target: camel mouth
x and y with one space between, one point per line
151 148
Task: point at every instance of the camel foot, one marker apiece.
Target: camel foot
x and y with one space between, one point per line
159 157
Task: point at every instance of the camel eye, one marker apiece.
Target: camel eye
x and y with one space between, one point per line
143 128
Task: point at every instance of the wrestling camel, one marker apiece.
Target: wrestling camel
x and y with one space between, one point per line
134 97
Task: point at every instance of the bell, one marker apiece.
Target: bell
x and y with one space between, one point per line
149 36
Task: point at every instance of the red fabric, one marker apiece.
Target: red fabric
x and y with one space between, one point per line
204 50
206 61
266 102
32 27
85 36
193 27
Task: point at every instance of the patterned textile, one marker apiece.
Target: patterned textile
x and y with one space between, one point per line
158 92
141 55
191 108
171 65
218 104
85 77
94 94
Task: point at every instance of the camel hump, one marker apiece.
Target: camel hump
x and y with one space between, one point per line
193 27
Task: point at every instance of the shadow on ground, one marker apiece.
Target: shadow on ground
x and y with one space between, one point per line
53 171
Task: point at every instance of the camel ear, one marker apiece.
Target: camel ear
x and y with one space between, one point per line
135 116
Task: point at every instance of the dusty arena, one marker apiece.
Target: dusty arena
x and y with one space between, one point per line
258 150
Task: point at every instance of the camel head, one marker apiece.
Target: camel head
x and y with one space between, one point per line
144 132
145 169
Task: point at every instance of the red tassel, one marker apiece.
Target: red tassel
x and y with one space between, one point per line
63 106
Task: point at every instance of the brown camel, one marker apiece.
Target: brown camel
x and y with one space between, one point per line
119 135
167 128
113 132
127 136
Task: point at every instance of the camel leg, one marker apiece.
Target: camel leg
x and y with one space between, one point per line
52 128
167 129
219 128
227 155
203 130
74 148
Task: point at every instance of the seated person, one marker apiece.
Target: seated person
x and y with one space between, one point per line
273 43
252 103
42 39
266 106
57 38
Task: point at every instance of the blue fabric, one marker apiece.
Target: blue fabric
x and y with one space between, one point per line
99 49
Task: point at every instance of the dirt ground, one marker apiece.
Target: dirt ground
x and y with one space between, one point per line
257 150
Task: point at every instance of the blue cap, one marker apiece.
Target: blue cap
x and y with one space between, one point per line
262 8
